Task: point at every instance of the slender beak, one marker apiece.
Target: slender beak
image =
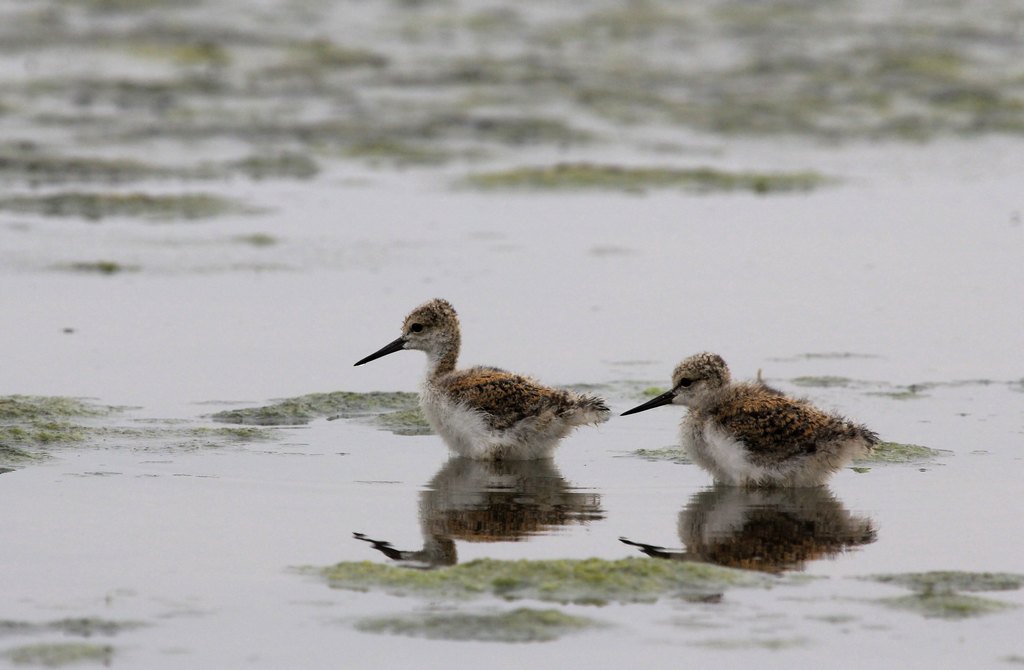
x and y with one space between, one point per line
397 345
664 399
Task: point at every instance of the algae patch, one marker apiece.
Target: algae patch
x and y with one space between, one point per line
938 594
81 626
907 393
895 452
823 381
322 53
519 625
947 605
59 654
284 164
385 150
191 53
37 434
98 267
883 453
36 408
257 239
770 644
12 455
675 454
590 581
30 424
203 437
570 176
36 168
395 411
949 581
96 206
404 422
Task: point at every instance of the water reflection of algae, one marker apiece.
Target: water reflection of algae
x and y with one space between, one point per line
492 501
769 530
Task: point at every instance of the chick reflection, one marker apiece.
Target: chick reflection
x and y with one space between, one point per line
491 501
771 530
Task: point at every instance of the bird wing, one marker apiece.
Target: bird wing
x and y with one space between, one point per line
504 398
769 423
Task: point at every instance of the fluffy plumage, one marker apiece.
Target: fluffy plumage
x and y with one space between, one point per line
750 434
484 412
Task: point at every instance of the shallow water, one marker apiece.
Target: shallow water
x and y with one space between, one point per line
892 295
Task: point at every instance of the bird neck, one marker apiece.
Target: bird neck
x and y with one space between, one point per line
442 361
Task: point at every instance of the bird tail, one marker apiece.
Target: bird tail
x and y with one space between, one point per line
868 437
591 409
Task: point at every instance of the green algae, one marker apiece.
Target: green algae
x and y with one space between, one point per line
39 433
497 20
770 644
674 454
118 6
125 95
912 392
217 436
59 654
947 605
884 452
284 164
822 381
653 391
11 455
257 239
198 52
589 581
31 424
951 581
921 75
36 408
938 593
37 168
619 388
910 93
80 626
303 409
397 152
614 177
96 206
181 438
495 72
837 619
920 63
636 20
404 422
861 89
827 356
519 625
508 130
98 267
322 53
31 427
895 452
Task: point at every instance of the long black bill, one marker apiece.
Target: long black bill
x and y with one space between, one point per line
664 399
397 345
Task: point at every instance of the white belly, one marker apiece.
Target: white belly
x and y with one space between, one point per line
467 434
722 455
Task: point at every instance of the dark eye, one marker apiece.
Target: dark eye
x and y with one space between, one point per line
416 327
685 383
